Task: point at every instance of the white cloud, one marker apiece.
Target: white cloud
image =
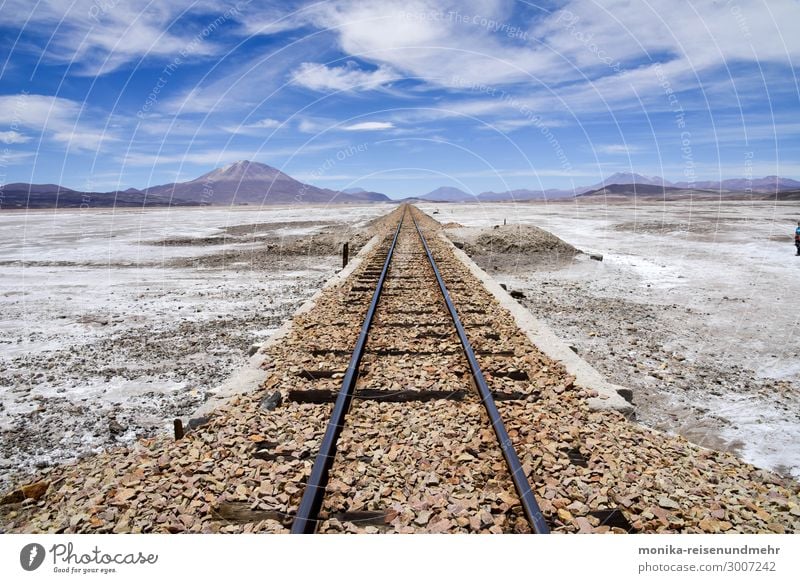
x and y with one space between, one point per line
84 139
101 36
16 158
13 137
616 149
345 78
36 111
603 50
245 86
579 57
319 125
255 128
270 20
265 123
438 41
56 118
702 32
308 126
368 126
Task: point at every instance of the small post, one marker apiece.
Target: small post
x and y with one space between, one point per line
178 429
345 255
504 222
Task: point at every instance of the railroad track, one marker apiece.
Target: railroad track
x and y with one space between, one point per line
415 393
416 451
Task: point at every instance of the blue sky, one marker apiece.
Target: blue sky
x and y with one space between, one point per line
399 97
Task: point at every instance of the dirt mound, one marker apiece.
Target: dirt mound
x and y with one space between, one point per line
518 239
249 233
325 243
452 225
277 249
189 241
260 229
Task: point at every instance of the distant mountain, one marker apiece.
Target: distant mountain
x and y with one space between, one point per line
31 196
246 182
766 184
448 194
35 188
451 194
523 194
364 196
645 191
626 190
255 183
630 178
625 184
242 182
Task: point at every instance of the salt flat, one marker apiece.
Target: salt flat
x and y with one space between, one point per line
109 329
112 325
693 306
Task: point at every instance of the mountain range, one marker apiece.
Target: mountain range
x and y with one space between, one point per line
37 196
246 182
255 183
766 185
242 182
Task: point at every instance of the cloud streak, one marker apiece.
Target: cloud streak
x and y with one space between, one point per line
101 37
368 126
54 118
13 137
345 78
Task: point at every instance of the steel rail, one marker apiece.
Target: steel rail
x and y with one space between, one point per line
531 508
305 521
